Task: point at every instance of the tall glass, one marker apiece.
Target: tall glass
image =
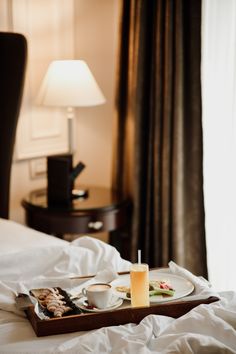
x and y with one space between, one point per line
139 285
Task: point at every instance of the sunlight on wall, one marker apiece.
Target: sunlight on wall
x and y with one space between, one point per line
219 130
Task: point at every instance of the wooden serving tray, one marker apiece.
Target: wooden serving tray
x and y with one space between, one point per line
89 321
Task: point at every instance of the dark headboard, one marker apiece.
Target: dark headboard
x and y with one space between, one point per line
13 54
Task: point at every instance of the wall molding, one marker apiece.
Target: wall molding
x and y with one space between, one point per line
49 29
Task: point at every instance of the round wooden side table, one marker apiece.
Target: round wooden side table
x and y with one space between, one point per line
101 211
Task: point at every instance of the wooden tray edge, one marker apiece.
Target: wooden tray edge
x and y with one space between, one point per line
89 321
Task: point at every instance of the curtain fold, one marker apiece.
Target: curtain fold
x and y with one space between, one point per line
158 130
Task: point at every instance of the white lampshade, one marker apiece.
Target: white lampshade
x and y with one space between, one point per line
69 83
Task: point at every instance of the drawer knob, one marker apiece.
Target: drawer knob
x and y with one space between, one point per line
96 225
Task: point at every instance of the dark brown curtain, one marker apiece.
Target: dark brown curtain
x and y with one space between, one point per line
158 132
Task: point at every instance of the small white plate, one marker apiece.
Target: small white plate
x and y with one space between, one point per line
181 286
82 304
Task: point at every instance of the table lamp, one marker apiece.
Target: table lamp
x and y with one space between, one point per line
69 84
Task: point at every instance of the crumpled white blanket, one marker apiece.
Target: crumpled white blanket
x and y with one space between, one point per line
54 264
84 256
205 329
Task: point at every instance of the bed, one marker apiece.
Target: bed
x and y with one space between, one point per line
28 256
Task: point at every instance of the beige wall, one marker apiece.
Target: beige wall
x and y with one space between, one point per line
96 26
96 42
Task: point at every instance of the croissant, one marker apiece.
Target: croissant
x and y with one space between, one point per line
52 305
54 296
44 294
47 291
60 310
51 299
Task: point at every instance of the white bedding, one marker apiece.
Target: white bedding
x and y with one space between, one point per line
27 256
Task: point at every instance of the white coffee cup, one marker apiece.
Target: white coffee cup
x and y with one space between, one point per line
98 295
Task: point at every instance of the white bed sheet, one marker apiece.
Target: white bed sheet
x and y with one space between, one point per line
205 329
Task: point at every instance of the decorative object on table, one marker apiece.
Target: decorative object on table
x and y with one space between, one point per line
61 177
59 183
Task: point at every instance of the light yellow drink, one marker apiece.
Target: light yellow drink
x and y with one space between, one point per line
139 285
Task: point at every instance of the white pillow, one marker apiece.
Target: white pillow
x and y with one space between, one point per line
16 237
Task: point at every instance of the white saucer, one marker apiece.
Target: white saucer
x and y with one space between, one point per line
82 304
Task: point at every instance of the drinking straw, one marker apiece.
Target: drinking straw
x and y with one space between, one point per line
139 256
